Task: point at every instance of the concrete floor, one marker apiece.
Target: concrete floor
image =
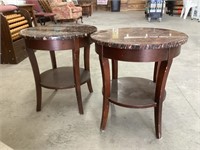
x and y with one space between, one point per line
60 127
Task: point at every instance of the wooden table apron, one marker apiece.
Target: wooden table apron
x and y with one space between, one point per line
163 59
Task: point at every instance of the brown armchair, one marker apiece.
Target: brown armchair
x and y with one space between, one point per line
63 10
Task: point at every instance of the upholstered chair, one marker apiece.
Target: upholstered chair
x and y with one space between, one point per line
65 10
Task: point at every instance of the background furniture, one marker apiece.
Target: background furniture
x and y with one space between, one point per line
12 44
136 45
187 5
29 8
104 6
63 10
60 38
87 9
39 13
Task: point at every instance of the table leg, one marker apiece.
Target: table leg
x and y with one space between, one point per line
87 65
53 59
106 90
75 53
114 76
159 94
114 69
155 74
36 74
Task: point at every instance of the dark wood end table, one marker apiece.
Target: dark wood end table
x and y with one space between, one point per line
136 45
56 38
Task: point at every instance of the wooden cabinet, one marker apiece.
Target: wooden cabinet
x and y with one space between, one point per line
12 44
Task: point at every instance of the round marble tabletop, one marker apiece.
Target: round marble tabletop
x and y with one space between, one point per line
58 32
139 38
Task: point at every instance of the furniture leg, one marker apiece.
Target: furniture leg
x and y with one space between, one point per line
158 119
75 56
53 19
182 12
186 13
40 20
156 69
106 90
159 94
114 69
36 74
39 97
87 65
81 19
53 59
105 111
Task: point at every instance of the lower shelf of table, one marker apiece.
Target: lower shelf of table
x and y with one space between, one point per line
133 92
62 78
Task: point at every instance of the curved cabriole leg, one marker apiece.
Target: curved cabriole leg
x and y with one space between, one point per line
53 59
87 65
36 74
39 98
106 90
75 55
79 18
158 120
156 68
114 69
161 79
89 84
105 111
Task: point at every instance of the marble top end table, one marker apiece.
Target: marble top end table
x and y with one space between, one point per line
136 45
57 38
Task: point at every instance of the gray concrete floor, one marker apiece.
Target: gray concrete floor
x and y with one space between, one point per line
60 127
